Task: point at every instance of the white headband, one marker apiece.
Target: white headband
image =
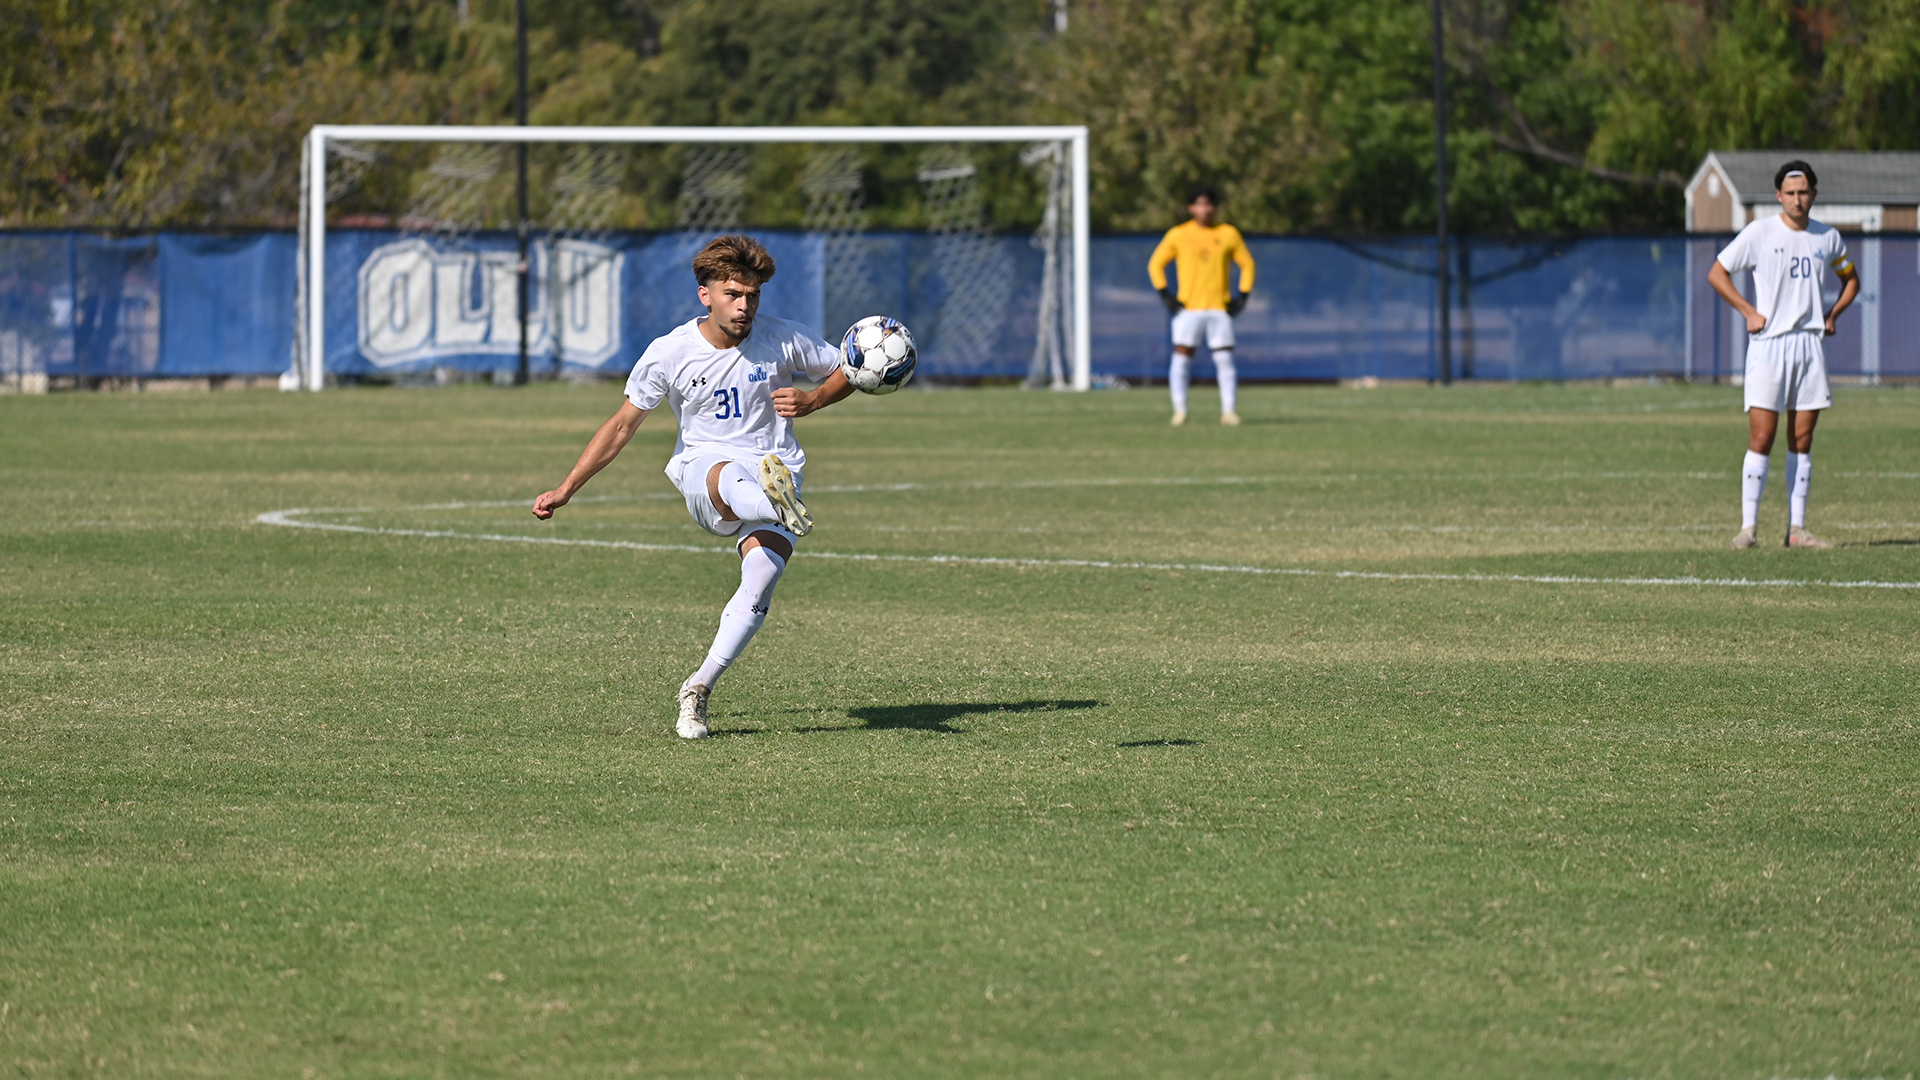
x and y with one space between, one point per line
1795 172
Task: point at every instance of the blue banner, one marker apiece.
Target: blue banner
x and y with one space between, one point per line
182 304
223 304
409 303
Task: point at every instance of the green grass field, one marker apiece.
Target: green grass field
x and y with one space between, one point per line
289 802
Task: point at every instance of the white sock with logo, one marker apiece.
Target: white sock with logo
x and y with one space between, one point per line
1753 483
1799 478
1229 379
742 493
760 571
1177 380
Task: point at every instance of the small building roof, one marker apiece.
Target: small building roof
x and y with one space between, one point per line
1846 176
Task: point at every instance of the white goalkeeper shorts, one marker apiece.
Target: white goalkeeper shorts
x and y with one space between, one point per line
1788 373
692 485
1189 325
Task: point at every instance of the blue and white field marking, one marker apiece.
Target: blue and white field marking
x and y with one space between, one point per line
295 519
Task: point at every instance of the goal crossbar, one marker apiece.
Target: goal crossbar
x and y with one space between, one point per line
314 375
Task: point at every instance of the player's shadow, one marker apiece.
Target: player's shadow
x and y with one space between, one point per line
1159 742
937 717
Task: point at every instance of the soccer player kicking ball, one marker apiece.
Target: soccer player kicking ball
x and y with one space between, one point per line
728 377
1200 251
1789 254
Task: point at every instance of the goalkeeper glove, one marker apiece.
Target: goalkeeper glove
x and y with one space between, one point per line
1236 305
1168 298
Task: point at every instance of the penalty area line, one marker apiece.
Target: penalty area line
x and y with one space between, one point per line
292 519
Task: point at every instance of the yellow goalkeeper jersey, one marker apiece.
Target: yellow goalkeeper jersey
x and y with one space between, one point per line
1200 255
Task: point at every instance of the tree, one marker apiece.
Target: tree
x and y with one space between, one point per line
171 112
1181 93
1311 115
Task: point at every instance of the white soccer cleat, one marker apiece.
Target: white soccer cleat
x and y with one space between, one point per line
1745 538
1179 419
1799 537
1231 419
693 710
777 480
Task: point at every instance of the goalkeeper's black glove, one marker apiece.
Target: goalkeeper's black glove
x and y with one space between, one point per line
1168 298
1236 305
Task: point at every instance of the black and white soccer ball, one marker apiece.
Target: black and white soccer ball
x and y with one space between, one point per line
877 355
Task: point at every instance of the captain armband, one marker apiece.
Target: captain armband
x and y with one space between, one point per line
1842 266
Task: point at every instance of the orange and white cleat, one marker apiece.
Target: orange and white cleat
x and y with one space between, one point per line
777 481
1799 537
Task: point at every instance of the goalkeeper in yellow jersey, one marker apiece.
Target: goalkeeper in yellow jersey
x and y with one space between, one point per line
1200 251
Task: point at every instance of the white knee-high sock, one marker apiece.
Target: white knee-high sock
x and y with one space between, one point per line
742 493
742 617
1753 482
1799 478
1229 379
1177 380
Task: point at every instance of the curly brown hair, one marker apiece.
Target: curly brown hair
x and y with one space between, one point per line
733 258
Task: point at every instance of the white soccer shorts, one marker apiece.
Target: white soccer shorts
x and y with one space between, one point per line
1189 324
1788 373
693 486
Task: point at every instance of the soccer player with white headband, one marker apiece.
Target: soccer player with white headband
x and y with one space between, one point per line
728 377
1790 255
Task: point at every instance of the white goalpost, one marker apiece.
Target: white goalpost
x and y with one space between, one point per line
1063 342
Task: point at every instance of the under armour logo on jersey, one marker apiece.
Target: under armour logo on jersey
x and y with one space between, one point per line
701 381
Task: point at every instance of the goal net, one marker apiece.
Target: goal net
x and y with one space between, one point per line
423 251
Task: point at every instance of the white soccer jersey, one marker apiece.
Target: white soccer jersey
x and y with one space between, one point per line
1789 271
724 397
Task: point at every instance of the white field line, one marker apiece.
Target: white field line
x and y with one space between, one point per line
1163 481
292 519
855 489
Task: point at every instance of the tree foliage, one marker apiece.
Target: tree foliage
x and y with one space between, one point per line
1309 114
175 111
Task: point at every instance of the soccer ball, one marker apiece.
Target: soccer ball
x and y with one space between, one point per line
877 355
